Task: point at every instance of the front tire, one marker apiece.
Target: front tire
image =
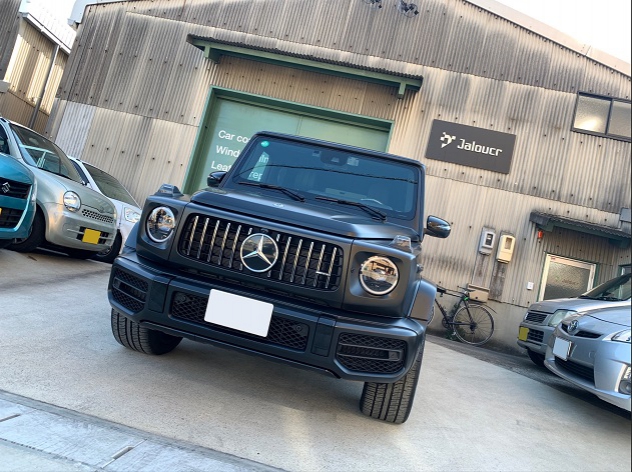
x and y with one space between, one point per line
473 325
138 338
35 238
108 255
536 357
392 402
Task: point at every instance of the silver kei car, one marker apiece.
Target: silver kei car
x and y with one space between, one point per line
592 351
542 317
69 216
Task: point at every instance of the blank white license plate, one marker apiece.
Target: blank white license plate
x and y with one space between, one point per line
561 348
241 313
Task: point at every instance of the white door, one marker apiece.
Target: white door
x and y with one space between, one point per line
565 278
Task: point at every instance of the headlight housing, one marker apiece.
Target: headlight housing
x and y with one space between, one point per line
622 337
378 275
160 224
72 201
559 315
131 215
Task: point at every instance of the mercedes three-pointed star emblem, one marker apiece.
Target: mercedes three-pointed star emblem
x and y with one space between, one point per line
259 252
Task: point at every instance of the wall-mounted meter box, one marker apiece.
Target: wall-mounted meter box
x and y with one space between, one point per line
487 242
505 248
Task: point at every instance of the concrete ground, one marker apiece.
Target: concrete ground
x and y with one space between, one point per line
71 398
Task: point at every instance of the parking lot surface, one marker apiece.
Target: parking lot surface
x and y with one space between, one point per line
244 413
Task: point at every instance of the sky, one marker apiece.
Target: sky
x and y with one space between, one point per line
603 24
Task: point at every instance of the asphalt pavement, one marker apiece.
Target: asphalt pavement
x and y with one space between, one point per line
72 399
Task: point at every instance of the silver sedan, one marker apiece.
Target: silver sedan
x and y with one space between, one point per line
592 351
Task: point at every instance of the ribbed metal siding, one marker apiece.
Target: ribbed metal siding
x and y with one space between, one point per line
470 208
450 35
9 26
26 71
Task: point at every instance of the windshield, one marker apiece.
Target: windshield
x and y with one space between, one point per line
109 186
39 152
616 289
345 179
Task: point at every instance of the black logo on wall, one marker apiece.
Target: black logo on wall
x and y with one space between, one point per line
471 146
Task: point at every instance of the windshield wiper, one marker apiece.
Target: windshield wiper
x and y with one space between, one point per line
291 193
367 208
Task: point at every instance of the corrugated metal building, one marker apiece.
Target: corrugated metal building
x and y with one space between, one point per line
34 49
525 133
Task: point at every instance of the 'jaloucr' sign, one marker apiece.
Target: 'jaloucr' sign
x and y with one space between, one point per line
471 146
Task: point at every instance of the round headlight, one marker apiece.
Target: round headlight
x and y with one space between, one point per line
378 275
160 224
72 201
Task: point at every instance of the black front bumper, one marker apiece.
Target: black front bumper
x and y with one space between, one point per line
345 345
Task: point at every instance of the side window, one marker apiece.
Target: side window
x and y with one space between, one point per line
602 116
4 141
84 177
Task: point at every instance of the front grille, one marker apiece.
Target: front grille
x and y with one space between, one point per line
371 354
10 217
97 216
535 335
581 334
282 332
301 261
129 290
536 317
11 188
580 370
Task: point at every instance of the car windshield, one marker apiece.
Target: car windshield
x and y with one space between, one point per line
109 186
327 176
616 290
39 152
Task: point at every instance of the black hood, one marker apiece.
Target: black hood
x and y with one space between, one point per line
334 219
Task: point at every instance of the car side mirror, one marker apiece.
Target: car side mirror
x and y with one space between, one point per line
437 227
214 178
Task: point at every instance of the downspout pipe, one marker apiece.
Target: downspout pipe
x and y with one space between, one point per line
40 97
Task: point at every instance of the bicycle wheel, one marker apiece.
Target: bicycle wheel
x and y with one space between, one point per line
473 325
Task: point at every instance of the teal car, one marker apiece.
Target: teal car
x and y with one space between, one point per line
17 198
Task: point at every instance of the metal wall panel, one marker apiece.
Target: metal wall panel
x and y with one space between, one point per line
448 34
27 72
469 208
9 26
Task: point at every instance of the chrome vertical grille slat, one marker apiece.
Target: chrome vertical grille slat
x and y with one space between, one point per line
302 261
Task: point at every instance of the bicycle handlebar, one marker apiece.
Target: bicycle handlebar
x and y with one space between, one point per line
454 293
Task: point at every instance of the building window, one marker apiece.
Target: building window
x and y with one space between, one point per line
602 116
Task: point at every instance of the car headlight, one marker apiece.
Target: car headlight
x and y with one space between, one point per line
559 315
622 337
131 215
72 201
378 275
160 224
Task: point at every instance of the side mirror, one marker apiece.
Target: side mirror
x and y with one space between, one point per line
214 178
437 227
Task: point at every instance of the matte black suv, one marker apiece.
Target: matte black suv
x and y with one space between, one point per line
305 251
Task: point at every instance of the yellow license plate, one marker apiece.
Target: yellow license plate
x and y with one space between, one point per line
91 236
0 211
523 333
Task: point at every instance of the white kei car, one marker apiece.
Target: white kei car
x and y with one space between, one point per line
127 209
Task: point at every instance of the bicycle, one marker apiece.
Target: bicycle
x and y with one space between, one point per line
471 323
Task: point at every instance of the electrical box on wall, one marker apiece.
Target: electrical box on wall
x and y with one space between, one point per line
505 248
487 242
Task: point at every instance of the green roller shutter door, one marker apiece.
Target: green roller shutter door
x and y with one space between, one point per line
231 123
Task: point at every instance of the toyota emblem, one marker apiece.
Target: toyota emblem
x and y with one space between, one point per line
259 252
